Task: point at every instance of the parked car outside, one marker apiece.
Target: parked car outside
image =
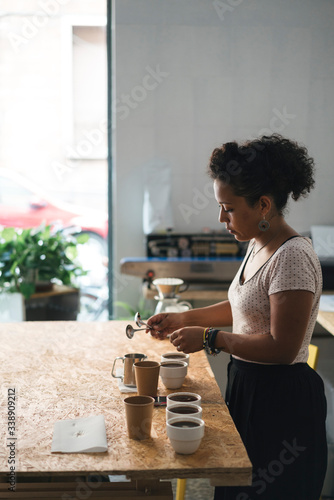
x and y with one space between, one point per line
24 205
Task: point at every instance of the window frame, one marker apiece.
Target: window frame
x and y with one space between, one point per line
67 112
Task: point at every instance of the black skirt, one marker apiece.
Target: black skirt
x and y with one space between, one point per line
280 413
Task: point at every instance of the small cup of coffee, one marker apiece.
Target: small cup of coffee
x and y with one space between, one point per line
184 398
185 433
173 373
175 356
181 410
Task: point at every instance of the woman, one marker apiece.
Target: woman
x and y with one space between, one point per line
275 399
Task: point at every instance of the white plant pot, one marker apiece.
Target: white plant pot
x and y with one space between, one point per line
173 373
175 356
184 398
183 410
185 433
11 307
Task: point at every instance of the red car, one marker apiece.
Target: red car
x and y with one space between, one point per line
22 204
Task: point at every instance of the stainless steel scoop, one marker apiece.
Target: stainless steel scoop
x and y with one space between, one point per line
130 331
140 322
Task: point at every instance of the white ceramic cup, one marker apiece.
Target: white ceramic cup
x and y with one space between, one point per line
172 373
183 410
185 433
184 398
175 356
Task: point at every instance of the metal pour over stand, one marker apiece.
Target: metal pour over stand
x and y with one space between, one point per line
168 298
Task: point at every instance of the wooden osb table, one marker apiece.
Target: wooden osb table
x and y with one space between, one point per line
326 319
61 370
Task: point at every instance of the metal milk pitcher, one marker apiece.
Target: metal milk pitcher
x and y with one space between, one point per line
128 377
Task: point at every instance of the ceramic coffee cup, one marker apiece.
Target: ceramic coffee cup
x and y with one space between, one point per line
173 373
185 433
183 410
184 398
147 377
175 356
139 413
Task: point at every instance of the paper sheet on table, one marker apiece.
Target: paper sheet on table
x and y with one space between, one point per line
124 388
80 435
326 303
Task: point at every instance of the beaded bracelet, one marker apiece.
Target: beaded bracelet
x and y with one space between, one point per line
209 337
212 339
205 337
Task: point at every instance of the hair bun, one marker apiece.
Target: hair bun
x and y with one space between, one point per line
231 149
271 165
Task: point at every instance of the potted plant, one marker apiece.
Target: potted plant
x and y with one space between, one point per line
35 259
145 312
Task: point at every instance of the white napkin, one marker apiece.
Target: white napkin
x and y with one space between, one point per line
80 435
124 388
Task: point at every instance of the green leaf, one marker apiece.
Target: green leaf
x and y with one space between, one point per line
27 289
126 306
72 253
82 238
8 233
143 311
24 251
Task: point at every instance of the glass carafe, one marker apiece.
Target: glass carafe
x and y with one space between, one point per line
171 305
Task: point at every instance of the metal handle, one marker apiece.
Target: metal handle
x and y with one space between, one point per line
113 367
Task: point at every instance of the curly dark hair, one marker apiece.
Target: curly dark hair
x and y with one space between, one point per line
270 165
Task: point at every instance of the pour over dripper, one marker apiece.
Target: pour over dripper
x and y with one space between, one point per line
167 299
169 287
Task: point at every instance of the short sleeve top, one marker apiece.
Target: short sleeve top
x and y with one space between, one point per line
293 266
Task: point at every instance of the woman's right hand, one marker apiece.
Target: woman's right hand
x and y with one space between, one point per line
163 324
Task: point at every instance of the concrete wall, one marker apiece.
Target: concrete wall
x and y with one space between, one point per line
223 70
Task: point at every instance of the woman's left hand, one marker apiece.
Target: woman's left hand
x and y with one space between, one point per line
188 339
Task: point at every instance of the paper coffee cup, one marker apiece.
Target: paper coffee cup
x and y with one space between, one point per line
139 413
147 377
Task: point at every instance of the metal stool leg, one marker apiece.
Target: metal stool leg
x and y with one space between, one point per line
181 489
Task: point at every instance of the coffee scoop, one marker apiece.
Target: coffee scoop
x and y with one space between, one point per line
130 331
